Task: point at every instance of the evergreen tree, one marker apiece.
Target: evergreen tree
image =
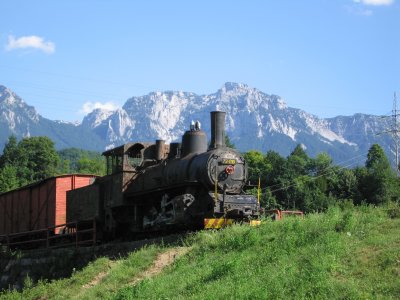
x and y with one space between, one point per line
376 158
228 142
10 152
378 183
298 162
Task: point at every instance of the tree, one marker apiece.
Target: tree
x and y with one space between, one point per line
299 151
255 163
322 164
70 158
228 142
378 183
8 178
37 159
298 162
273 178
91 166
321 167
30 160
64 167
343 184
10 152
376 158
276 163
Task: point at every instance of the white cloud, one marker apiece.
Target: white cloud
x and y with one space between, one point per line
375 2
364 7
90 106
33 41
363 12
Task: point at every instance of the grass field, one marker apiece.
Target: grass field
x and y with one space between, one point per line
345 253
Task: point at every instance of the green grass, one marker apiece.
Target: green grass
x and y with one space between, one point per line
87 284
349 253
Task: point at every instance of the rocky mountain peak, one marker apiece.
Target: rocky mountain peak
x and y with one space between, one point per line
96 117
236 88
14 110
254 120
8 98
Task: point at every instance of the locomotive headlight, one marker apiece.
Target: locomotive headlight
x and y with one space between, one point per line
230 169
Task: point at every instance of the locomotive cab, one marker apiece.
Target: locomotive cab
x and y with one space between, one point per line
133 156
125 165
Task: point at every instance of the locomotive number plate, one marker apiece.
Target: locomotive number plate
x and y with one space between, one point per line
229 161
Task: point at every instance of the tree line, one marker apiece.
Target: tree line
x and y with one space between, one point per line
34 158
313 184
294 182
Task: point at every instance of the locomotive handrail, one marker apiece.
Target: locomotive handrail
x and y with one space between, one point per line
43 229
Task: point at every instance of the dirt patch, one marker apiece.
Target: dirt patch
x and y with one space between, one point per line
163 260
99 276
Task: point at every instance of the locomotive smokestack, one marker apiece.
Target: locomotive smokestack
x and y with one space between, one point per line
217 129
160 149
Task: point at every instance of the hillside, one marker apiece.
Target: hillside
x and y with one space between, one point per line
348 253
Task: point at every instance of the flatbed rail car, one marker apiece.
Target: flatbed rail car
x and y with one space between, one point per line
40 205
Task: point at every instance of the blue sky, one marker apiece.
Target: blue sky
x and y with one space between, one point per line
328 57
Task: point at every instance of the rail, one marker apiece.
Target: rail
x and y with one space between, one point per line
82 233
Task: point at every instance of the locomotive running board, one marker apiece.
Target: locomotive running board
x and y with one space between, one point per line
217 223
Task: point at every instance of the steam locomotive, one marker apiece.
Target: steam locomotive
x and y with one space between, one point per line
155 186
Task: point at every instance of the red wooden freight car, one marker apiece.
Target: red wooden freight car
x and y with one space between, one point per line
39 205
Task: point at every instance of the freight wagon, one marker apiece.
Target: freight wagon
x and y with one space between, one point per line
38 206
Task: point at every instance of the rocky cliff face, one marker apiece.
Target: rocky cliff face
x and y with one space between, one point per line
19 119
255 120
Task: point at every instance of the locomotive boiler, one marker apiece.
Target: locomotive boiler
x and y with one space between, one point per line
152 186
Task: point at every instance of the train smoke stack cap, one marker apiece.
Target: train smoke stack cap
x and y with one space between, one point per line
217 129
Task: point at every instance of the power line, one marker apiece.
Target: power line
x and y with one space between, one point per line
394 132
80 78
328 170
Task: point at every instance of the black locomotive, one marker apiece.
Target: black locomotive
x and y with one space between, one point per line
156 186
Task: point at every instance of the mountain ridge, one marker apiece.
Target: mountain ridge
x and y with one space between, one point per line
255 120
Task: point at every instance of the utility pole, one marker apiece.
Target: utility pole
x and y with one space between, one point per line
394 132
